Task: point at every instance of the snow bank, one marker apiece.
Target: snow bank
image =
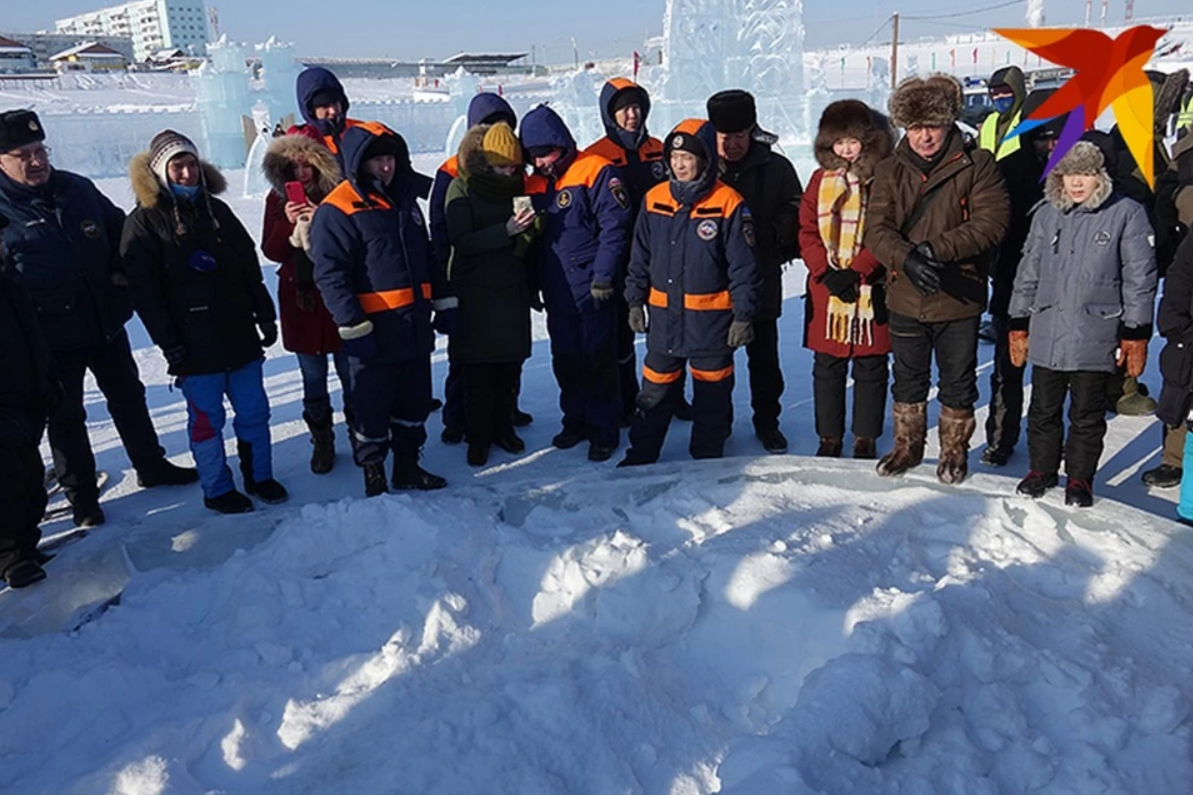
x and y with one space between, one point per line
737 627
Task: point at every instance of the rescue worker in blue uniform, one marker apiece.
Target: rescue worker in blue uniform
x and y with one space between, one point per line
693 265
485 108
587 216
376 272
628 145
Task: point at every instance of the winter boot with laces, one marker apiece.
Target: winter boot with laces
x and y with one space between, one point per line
911 430
408 475
1079 493
323 441
1036 484
956 429
375 481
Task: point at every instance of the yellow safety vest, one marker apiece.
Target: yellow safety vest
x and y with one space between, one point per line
1185 119
989 138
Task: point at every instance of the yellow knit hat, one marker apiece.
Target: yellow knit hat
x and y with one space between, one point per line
501 146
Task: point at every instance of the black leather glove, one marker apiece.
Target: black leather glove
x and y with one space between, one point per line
637 320
842 283
923 270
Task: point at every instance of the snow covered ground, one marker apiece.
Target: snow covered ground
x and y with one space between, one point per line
546 625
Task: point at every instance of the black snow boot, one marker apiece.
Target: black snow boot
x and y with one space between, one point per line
1079 493
1036 484
164 473
268 491
230 503
375 480
408 475
24 573
323 440
1163 477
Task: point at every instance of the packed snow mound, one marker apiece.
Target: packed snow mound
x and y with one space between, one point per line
787 625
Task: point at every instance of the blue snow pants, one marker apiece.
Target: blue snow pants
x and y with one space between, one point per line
390 403
584 358
245 389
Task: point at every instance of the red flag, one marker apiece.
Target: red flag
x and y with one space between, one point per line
953 58
637 63
975 54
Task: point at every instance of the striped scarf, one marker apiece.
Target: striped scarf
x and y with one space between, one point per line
841 207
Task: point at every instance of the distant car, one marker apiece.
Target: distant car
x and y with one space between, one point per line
977 105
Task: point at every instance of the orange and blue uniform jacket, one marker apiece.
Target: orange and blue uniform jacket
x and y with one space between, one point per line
693 261
637 155
372 254
588 217
482 108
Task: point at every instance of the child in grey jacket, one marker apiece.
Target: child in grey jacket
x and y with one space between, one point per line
1083 304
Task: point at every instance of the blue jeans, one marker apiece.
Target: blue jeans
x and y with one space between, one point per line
316 401
245 389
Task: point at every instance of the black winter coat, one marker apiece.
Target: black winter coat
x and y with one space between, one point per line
1022 171
63 243
773 192
212 316
1174 321
26 380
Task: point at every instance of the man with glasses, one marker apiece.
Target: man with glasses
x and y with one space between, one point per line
64 247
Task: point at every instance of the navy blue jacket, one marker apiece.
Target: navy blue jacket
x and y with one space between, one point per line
372 256
693 260
639 157
64 245
588 217
482 107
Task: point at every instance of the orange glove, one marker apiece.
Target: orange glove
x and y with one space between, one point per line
1018 348
1134 353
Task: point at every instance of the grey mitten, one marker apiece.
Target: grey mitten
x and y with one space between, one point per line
741 333
637 320
601 291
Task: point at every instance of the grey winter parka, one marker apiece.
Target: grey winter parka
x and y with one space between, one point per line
1087 279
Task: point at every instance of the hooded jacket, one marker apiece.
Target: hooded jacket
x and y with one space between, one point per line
314 332
310 82
482 106
212 315
1174 321
489 272
693 260
63 246
964 217
772 190
372 255
587 217
638 156
845 118
997 125
1087 279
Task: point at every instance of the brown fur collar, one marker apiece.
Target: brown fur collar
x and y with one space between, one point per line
149 191
849 118
1054 192
471 157
285 149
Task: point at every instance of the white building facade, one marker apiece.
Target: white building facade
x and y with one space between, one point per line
152 25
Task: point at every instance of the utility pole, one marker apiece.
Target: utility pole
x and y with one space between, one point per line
895 50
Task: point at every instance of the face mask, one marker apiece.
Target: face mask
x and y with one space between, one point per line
187 192
1004 104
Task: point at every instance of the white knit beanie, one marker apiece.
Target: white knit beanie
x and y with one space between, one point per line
166 146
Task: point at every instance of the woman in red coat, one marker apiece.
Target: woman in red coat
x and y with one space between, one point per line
845 316
307 328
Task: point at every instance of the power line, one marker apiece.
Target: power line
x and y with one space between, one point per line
970 12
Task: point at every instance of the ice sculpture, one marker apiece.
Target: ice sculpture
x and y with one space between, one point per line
279 71
222 94
255 183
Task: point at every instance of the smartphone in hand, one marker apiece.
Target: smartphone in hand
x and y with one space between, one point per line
522 204
295 193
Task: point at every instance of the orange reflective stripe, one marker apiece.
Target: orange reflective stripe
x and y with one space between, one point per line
658 200
345 199
584 172
708 302
657 298
451 167
689 126
385 300
652 149
712 375
655 377
375 127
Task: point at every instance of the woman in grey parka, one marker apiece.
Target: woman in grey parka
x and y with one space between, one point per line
1083 304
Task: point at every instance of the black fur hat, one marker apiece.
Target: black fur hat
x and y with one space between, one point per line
732 111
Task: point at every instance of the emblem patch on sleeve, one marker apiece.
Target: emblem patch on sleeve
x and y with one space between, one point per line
90 229
564 199
747 232
619 194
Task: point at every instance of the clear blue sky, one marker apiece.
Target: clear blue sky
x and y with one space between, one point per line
436 28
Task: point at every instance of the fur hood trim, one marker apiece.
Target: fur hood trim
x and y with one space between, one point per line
1083 158
149 191
932 102
285 149
850 118
471 157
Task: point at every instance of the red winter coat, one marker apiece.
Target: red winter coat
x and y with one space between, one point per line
816 296
314 332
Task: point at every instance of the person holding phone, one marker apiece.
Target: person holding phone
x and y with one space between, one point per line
196 283
492 230
302 173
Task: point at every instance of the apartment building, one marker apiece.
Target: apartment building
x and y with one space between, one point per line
152 25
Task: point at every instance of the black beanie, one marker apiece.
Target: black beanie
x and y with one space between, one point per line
384 145
686 142
732 111
326 97
19 127
632 95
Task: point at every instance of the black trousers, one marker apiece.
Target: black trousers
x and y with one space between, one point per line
1006 393
870 377
116 374
627 360
662 388
489 396
453 396
766 375
22 492
1086 392
954 346
390 403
